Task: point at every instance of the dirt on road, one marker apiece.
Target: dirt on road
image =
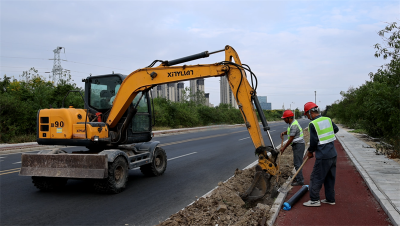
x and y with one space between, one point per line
225 207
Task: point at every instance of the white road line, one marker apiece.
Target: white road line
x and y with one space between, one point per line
171 159
181 156
16 162
2 157
244 138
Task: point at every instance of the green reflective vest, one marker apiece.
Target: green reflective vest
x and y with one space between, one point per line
324 128
295 122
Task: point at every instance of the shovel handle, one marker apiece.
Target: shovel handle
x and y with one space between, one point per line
279 161
305 160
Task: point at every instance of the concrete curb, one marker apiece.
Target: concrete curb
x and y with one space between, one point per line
22 150
276 206
383 200
160 133
195 129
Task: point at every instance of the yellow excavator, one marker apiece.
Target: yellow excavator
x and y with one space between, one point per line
116 127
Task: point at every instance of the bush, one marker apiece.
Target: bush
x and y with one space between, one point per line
374 106
21 100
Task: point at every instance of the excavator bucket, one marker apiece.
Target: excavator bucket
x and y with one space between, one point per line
258 187
64 165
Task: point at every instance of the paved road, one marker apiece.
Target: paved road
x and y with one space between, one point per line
196 163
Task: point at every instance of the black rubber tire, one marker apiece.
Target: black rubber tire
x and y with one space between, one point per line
158 164
117 177
49 183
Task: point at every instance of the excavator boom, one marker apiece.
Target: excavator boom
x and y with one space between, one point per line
146 78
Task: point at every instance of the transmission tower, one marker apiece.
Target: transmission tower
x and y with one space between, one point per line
57 69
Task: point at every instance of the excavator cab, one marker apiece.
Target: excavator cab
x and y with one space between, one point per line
100 92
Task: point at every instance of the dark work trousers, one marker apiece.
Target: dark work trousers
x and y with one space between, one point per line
324 172
298 153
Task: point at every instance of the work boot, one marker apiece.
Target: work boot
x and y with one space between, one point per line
327 202
312 203
297 183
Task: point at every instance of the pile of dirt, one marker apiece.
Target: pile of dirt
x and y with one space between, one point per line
225 207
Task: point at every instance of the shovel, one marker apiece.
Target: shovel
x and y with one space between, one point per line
286 189
274 191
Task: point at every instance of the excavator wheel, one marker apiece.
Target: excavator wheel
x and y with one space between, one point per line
49 183
117 177
158 166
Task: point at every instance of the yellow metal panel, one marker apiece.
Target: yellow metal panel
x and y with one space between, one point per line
61 122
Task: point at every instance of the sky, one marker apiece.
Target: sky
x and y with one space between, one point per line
295 48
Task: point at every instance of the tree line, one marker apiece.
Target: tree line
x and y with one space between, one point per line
375 106
21 99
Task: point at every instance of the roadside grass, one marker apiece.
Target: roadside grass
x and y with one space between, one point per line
21 139
358 131
155 128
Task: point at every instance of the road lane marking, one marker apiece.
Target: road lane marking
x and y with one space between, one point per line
199 138
16 162
9 171
244 138
171 158
2 171
181 156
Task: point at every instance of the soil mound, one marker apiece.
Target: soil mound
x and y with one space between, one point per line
225 207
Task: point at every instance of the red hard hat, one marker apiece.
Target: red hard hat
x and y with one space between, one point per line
308 106
287 113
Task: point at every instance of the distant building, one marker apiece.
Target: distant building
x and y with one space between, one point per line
179 91
171 91
207 96
196 86
264 104
226 95
159 91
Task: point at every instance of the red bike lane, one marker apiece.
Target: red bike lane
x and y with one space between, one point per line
355 205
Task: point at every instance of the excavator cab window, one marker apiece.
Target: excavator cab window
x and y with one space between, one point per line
142 120
103 91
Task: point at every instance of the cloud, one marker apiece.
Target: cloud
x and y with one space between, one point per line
294 47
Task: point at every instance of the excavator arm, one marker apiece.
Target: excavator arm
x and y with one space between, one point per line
146 78
143 79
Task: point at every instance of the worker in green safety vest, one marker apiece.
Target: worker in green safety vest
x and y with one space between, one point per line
295 138
322 136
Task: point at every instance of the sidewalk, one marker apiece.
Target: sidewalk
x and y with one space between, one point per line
367 189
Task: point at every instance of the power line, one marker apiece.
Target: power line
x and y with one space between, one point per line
24 57
95 65
66 61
